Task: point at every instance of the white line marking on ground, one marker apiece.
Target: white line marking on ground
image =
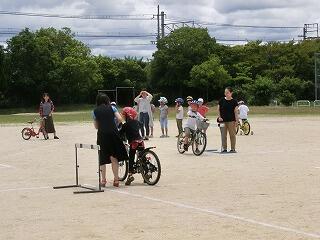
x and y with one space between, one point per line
5 166
219 214
23 189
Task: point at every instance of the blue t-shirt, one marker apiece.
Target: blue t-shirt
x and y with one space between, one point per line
113 108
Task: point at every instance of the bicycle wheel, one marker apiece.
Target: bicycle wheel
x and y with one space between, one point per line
123 170
26 133
150 167
199 143
180 143
246 128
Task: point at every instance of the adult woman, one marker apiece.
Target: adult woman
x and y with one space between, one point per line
228 114
144 105
112 149
45 110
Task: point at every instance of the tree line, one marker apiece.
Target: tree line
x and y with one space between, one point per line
187 62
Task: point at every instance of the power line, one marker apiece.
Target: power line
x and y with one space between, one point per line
85 35
91 17
247 26
120 45
177 21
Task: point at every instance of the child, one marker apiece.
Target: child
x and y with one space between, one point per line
131 129
179 114
189 100
243 111
203 109
191 124
46 110
164 111
151 114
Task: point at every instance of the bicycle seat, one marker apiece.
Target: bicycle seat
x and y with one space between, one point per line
140 148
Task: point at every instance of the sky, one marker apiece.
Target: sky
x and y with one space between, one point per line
209 13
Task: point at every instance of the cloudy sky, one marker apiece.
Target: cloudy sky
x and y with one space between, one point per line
210 13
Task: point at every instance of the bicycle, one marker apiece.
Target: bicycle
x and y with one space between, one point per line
146 163
244 126
29 132
197 139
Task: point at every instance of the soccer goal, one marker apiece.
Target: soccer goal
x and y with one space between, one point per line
303 103
123 96
316 103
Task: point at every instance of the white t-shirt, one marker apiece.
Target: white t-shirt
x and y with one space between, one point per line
144 104
192 119
179 115
243 112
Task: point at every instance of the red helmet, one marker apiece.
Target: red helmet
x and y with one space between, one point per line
129 112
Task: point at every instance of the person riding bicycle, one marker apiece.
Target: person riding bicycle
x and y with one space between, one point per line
131 129
243 111
191 123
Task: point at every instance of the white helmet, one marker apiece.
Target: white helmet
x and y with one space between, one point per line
163 100
200 100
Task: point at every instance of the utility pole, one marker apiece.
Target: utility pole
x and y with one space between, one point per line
162 25
158 20
310 31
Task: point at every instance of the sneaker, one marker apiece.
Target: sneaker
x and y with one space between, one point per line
224 151
130 179
146 138
162 136
232 151
55 137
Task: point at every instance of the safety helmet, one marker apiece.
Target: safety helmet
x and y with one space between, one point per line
179 100
189 98
113 103
194 102
200 100
163 100
130 113
241 102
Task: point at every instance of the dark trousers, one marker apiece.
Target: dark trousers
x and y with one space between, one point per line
132 155
144 119
179 125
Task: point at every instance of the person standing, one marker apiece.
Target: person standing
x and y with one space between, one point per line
228 115
179 114
112 149
46 110
164 112
151 118
144 105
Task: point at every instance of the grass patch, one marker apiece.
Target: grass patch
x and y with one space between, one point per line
82 113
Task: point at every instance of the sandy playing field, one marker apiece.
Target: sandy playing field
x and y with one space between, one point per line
270 189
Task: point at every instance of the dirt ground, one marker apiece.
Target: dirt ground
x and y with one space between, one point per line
270 189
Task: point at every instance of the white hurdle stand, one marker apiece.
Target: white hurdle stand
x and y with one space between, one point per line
77 184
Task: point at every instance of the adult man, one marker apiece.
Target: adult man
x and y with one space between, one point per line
144 105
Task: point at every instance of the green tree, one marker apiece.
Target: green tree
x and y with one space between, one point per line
293 85
176 55
261 91
209 76
287 98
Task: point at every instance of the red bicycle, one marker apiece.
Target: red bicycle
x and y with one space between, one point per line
29 132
